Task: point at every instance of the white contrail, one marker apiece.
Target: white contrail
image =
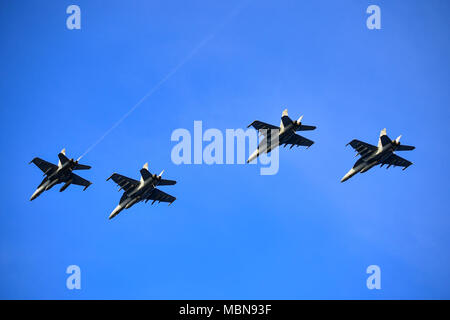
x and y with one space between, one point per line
227 19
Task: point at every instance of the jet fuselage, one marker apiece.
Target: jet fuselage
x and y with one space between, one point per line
54 177
135 195
369 161
276 138
284 134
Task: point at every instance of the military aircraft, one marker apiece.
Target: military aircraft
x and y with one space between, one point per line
284 134
136 191
382 154
59 173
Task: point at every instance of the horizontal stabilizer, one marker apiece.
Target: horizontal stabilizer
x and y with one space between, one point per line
305 128
404 148
81 167
165 182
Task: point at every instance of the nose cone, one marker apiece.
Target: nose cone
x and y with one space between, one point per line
349 174
115 211
36 193
253 156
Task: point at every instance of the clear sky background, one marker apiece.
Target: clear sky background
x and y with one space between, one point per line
232 233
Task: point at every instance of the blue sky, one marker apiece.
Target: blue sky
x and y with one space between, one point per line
232 233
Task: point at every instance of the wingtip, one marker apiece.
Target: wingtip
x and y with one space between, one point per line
87 186
407 166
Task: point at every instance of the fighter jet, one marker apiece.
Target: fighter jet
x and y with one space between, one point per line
383 154
136 191
59 173
284 134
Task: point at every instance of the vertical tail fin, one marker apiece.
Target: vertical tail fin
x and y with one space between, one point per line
384 139
145 174
62 158
285 120
284 114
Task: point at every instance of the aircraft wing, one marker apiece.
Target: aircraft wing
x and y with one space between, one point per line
76 179
361 147
45 166
259 125
395 160
297 140
158 195
124 182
